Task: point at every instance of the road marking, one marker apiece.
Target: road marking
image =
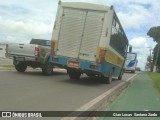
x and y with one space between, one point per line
88 105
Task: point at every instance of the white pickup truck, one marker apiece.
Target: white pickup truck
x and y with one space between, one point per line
35 54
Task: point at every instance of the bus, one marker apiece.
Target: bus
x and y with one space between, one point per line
88 38
131 62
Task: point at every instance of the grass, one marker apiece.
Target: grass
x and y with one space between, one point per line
7 66
156 78
10 66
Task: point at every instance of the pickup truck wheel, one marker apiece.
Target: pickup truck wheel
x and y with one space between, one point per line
74 74
47 71
21 67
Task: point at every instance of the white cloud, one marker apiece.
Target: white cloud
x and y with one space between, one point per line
28 20
132 20
27 29
22 20
142 47
139 42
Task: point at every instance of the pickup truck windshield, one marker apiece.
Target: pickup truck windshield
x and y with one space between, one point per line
40 42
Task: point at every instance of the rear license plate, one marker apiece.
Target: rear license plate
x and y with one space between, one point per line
73 64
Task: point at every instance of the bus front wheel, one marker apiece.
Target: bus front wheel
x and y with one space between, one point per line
132 71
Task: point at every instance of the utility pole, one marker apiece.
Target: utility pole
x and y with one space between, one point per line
149 59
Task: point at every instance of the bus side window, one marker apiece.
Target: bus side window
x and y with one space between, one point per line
114 31
117 40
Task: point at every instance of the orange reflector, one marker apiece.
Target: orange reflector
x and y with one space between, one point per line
102 55
52 47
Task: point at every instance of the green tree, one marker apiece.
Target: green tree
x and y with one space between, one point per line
154 32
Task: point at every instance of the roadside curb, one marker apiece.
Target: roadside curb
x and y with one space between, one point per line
101 102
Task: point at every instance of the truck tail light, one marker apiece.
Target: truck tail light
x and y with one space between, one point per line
55 59
6 47
36 51
102 55
53 44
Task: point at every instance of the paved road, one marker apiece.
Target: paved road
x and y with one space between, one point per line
31 91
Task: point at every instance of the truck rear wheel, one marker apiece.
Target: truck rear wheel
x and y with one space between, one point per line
90 75
47 71
74 74
21 67
108 80
120 78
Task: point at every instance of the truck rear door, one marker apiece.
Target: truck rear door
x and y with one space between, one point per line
80 33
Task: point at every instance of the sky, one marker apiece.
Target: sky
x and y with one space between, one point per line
22 20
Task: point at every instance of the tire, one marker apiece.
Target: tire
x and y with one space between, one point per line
133 71
74 74
120 78
21 67
108 80
90 75
47 71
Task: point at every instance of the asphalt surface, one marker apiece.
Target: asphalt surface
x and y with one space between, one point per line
32 91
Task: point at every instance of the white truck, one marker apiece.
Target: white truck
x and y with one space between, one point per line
35 54
88 38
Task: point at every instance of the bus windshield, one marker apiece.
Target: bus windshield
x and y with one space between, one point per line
131 56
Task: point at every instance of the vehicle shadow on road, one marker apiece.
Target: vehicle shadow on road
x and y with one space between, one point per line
88 81
39 73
